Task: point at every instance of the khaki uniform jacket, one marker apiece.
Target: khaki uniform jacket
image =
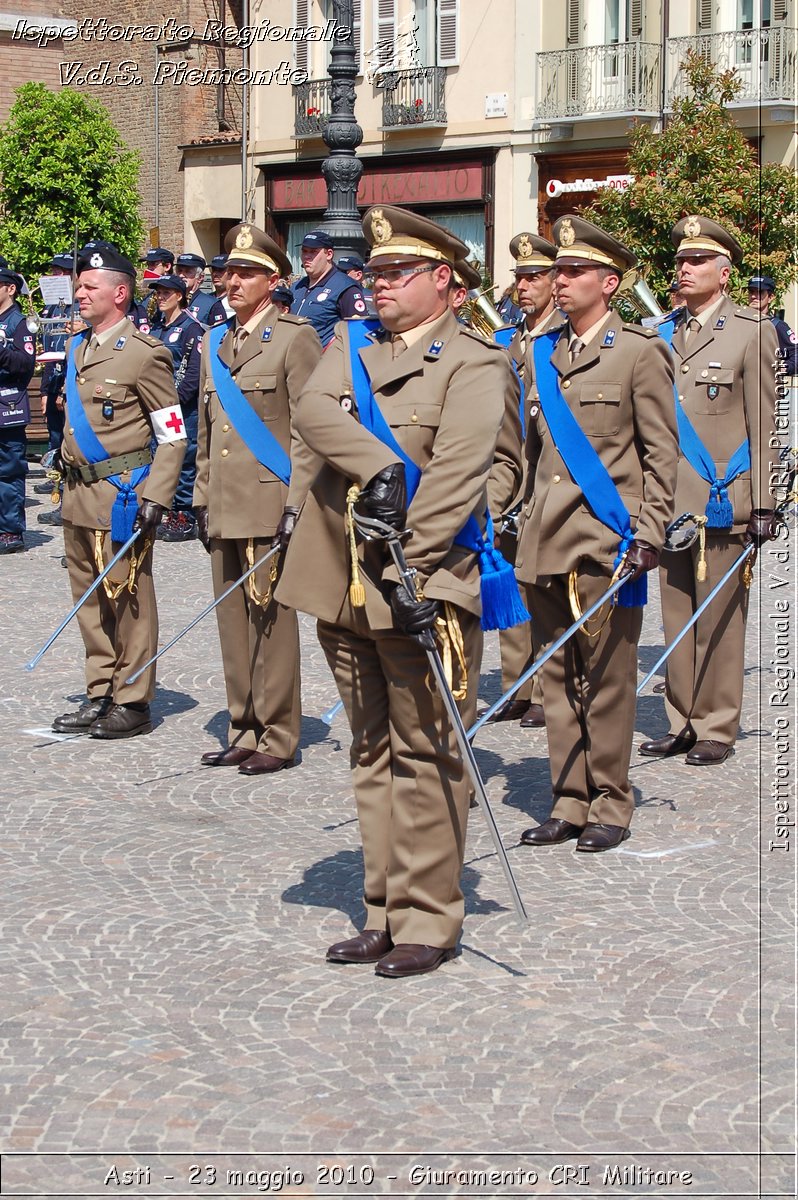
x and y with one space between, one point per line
243 498
136 378
446 405
620 390
727 387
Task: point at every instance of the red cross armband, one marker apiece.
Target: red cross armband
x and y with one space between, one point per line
168 424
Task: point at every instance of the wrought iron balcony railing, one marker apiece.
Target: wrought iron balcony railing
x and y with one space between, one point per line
414 97
595 81
311 107
766 60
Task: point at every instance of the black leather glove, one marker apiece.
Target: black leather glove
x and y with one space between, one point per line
385 496
413 616
285 528
202 527
640 558
761 527
149 517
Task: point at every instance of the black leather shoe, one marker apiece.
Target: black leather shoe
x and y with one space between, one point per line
533 717
708 754
594 838
263 764
83 717
512 710
551 833
369 946
123 721
411 959
666 747
233 756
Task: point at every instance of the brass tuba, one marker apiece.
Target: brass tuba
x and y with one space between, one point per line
481 313
638 295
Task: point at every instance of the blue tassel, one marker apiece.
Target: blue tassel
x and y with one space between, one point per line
719 512
634 595
123 514
502 606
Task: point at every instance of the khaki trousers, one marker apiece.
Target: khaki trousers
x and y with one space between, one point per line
589 698
260 655
704 679
411 790
119 635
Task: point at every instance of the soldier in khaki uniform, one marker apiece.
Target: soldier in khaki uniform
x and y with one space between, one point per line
725 357
441 389
124 387
534 277
243 506
617 382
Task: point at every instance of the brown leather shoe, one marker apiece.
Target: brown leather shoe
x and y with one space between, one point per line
533 717
411 959
666 747
263 764
512 710
80 720
369 946
233 756
708 754
595 837
551 833
123 721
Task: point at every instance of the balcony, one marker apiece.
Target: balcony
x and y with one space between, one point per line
311 108
415 97
765 61
619 79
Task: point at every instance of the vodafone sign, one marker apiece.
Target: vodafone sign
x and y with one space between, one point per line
556 187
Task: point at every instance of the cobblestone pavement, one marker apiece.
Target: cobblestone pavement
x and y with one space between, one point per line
165 928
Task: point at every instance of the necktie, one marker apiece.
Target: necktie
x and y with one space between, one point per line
240 337
691 329
93 345
576 348
398 345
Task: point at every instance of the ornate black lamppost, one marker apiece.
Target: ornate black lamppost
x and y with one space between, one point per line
342 134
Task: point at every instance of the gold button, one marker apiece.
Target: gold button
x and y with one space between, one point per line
108 393
685 369
566 383
257 383
414 419
224 453
600 396
555 478
81 379
225 429
704 374
681 397
714 379
72 431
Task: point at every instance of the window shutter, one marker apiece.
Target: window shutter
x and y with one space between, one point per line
635 29
384 30
357 33
301 21
705 16
779 10
573 22
448 27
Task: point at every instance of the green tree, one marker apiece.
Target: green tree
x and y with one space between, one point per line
62 161
701 163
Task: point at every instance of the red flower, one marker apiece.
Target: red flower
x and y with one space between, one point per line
419 103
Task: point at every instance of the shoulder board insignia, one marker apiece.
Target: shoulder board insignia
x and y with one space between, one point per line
642 330
609 338
436 347
119 343
721 321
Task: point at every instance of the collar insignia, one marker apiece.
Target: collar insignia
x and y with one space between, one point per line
609 338
267 333
119 343
721 321
436 347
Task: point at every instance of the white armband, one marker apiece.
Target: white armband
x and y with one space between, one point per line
168 424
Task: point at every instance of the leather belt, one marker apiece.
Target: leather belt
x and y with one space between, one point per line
91 472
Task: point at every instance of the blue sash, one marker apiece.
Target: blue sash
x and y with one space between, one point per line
126 504
719 512
583 463
501 602
260 441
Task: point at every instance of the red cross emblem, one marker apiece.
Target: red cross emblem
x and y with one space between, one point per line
174 422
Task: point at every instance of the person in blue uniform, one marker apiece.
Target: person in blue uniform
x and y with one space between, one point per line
761 290
182 336
159 261
220 310
325 295
17 360
191 267
53 373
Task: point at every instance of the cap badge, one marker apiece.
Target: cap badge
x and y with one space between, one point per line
692 227
381 227
567 235
96 260
524 248
244 238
